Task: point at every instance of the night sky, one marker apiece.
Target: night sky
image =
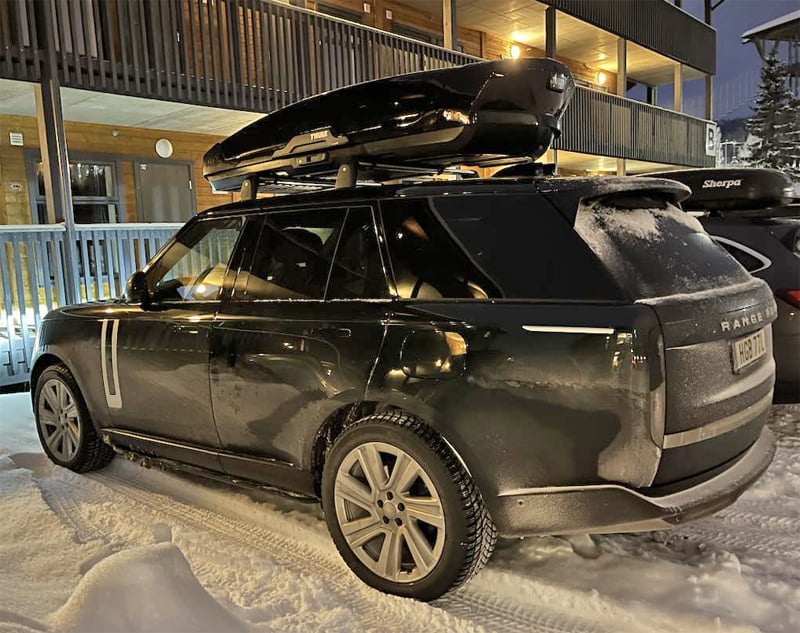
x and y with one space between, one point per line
737 63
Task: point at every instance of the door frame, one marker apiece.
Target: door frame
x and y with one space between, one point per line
137 182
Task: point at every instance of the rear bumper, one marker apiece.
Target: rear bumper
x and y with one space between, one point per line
611 508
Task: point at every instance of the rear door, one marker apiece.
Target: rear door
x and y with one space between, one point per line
297 341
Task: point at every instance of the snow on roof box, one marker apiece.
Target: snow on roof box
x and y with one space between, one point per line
481 113
743 189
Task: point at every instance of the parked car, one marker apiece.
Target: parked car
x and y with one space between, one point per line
438 363
750 213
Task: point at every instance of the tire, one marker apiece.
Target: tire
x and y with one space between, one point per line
59 405
416 489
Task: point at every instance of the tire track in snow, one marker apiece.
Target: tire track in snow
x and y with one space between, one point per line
742 539
473 608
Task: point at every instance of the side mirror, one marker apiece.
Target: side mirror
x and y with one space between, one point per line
433 354
136 289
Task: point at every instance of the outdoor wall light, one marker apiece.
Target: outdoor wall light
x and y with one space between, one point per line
516 51
601 78
163 148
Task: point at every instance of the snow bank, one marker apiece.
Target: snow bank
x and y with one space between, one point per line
149 588
17 426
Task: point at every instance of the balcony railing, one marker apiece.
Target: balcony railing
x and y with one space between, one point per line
604 124
259 55
33 280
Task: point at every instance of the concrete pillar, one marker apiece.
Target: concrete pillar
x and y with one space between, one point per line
550 48
652 95
678 98
622 67
54 146
449 24
709 97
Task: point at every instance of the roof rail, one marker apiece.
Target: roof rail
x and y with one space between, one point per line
487 113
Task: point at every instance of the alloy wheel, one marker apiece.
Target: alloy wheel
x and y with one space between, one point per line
389 512
59 420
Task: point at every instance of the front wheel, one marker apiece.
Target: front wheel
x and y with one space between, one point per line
402 510
62 421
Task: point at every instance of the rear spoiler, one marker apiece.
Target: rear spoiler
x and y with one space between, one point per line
480 114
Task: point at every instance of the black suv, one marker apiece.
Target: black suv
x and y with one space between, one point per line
437 363
749 213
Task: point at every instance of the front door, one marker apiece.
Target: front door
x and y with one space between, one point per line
164 191
297 341
157 381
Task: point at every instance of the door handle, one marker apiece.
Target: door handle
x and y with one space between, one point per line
185 329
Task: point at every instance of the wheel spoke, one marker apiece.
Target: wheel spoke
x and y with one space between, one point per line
419 547
71 411
352 490
51 397
63 397
68 448
56 440
362 531
425 509
47 418
388 564
74 432
371 464
404 473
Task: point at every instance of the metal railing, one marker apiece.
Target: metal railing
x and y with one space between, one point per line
33 280
608 125
259 55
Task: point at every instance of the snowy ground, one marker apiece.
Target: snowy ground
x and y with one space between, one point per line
129 549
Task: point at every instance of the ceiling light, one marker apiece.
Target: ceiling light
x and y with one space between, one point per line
602 57
601 78
516 51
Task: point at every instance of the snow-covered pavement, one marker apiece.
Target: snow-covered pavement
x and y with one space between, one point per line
130 549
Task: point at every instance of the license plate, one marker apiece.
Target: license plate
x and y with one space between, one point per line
749 349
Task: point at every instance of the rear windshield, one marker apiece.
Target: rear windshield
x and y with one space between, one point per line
653 248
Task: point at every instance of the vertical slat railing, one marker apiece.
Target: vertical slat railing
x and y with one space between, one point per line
32 277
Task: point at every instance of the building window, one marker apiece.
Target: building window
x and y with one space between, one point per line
95 194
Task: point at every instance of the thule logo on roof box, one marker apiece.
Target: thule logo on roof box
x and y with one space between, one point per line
722 184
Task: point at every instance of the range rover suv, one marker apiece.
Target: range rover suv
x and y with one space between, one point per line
438 363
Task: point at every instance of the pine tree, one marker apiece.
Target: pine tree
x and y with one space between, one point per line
775 124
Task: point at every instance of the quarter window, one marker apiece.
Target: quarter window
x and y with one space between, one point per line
293 256
750 262
195 266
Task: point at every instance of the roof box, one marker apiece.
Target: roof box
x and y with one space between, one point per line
483 113
732 189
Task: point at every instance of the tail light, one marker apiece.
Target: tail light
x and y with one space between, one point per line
792 297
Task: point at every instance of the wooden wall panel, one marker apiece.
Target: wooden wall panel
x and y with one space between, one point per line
131 144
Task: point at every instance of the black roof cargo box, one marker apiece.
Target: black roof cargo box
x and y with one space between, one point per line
480 113
741 190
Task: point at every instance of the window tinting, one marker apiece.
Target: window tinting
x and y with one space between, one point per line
427 263
293 256
653 248
357 270
525 247
195 266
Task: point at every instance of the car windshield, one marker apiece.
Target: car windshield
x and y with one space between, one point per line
653 248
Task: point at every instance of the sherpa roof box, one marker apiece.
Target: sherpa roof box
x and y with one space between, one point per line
727 190
480 114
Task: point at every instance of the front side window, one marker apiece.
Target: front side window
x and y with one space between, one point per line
293 256
194 267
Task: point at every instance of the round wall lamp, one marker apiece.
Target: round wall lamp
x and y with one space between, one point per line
164 148
601 78
516 51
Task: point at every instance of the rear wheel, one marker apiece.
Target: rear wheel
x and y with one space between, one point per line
402 510
62 421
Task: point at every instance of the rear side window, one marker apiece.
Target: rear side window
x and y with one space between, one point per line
526 248
426 261
653 248
749 260
357 271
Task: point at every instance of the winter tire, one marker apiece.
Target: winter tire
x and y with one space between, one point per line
402 510
65 429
